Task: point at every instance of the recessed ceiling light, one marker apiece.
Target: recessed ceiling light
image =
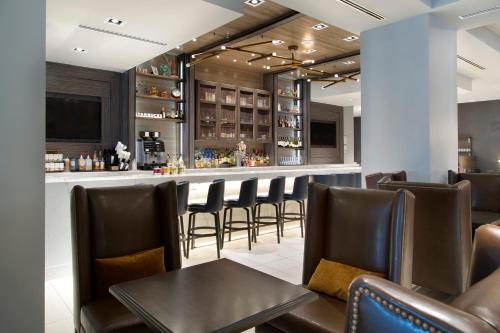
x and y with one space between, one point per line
309 61
234 60
283 62
349 62
320 26
253 54
194 39
217 56
358 80
309 51
268 58
478 13
362 9
351 38
178 47
274 54
115 21
79 49
193 56
268 67
278 41
249 63
223 47
291 73
308 80
254 3
336 76
307 42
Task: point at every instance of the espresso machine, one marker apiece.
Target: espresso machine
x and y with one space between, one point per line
150 150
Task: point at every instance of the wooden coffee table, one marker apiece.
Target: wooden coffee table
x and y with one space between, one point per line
218 296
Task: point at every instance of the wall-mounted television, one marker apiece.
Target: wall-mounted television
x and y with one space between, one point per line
74 118
323 134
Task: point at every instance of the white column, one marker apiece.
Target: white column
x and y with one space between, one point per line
409 98
348 134
22 144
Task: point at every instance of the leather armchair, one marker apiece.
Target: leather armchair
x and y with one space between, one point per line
442 234
372 179
363 228
485 195
111 222
378 306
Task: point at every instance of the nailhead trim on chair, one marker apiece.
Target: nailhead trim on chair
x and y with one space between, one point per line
391 307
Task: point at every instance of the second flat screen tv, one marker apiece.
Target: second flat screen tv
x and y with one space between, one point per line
73 118
323 134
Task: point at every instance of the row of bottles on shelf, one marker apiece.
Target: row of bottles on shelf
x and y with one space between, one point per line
154 91
289 122
171 166
467 150
212 158
163 114
291 160
286 108
290 142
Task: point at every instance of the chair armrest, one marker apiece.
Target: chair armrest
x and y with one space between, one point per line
485 252
377 305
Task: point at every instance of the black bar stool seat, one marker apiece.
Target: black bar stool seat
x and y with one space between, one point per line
299 195
246 201
182 206
215 201
275 198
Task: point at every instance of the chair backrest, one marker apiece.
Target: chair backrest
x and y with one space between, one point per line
215 198
345 179
299 191
182 197
116 221
277 190
367 229
442 235
372 179
485 189
485 252
248 192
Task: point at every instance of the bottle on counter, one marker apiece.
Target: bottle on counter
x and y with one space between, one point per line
181 168
95 162
67 167
81 163
88 163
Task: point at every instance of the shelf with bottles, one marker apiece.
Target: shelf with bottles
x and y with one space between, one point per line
228 132
225 158
288 89
227 95
246 99
263 100
246 132
290 142
207 93
290 122
290 160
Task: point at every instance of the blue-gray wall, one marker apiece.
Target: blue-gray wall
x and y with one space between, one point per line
22 143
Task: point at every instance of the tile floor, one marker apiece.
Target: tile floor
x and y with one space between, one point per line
281 260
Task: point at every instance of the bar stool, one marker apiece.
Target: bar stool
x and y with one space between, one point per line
328 180
246 201
299 195
182 205
275 198
215 202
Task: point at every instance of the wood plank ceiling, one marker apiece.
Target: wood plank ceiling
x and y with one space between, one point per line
297 31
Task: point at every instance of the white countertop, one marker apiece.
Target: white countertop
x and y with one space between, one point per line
204 175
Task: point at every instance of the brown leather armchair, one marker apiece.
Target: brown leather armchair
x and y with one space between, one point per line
442 231
364 228
372 179
111 222
485 195
379 306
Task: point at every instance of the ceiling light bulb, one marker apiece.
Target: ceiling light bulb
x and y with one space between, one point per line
336 75
188 64
307 42
291 73
253 54
358 80
264 66
223 47
308 80
302 75
194 39
322 71
254 3
283 62
79 49
277 42
319 26
217 56
268 58
268 67
249 63
193 56
178 47
350 38
274 54
234 60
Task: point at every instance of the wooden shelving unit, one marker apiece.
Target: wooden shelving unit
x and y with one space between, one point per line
229 114
159 77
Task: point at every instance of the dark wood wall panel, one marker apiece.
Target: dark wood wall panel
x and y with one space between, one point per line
67 79
330 113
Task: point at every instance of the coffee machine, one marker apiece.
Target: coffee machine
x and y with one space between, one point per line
150 150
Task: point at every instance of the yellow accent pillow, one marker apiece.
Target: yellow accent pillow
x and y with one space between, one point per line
334 278
110 271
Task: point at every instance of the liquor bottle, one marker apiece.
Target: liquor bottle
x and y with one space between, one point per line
88 163
81 163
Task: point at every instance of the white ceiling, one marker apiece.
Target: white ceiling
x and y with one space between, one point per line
478 40
166 21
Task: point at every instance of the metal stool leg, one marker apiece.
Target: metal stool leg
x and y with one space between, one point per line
183 235
223 228
230 222
217 232
258 220
193 229
189 235
248 229
277 209
253 225
283 218
302 215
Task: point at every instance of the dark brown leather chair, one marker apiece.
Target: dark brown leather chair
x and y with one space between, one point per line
111 222
379 306
485 195
442 231
368 229
372 179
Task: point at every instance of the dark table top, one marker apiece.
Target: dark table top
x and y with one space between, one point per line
218 296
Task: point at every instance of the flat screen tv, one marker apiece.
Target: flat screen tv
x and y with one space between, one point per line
73 118
323 134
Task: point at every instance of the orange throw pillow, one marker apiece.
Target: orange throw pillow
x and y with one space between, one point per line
110 271
333 278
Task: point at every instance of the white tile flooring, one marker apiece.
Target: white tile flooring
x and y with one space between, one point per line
281 260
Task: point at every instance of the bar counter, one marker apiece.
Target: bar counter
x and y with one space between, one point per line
58 189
